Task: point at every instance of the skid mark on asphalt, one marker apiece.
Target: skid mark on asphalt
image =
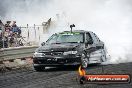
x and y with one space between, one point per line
62 78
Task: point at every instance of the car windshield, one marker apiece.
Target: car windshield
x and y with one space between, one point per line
66 38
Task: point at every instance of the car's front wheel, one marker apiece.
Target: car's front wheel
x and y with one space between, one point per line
39 68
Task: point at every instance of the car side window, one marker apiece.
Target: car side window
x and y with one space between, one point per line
88 37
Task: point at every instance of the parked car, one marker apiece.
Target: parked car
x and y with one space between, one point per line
70 48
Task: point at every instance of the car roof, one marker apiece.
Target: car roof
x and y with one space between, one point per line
80 31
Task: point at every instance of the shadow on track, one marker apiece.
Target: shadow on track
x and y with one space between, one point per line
68 68
60 68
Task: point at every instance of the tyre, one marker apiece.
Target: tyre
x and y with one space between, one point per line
103 56
82 80
84 61
39 68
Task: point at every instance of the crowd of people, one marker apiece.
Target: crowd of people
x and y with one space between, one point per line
9 35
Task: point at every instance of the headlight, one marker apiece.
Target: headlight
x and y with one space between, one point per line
36 54
70 52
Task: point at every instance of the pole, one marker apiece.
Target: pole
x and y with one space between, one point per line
102 69
28 33
35 31
39 34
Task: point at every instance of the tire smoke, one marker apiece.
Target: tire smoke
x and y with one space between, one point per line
111 20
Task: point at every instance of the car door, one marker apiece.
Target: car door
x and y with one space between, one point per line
98 47
89 44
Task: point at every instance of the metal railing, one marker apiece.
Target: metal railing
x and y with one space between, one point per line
17 52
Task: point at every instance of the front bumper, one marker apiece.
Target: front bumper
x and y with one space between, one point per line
57 60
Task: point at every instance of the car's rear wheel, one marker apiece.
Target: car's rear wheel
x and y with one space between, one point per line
103 56
84 61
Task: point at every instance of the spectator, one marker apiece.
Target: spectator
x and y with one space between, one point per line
1 42
16 29
7 26
1 33
1 28
7 32
10 36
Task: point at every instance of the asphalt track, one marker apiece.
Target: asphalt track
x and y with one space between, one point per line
62 77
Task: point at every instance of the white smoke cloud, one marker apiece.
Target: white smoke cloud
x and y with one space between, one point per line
111 20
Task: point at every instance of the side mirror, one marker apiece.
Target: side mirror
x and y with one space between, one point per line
43 43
